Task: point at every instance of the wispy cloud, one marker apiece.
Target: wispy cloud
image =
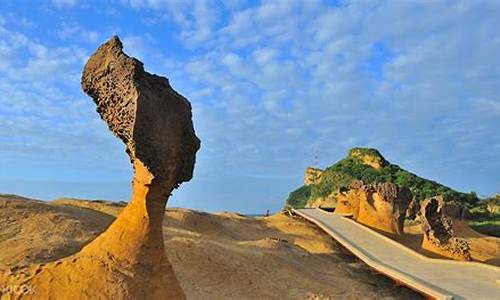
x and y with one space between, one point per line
274 82
65 3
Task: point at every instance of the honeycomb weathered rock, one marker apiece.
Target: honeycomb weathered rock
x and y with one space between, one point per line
438 231
382 206
143 110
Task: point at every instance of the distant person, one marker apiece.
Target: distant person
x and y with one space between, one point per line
267 213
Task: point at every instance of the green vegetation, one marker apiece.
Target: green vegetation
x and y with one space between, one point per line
299 197
10 196
485 216
489 227
365 151
341 174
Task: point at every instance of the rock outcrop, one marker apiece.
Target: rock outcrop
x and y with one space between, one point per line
128 260
369 156
312 176
438 231
382 206
329 202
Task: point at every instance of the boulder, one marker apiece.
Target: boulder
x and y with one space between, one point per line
382 206
438 231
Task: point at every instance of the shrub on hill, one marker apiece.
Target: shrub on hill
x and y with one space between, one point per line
299 197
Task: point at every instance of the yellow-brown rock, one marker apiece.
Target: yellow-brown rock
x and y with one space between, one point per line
369 156
382 206
312 176
128 260
438 231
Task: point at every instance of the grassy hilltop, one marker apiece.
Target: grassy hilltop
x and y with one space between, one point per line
370 166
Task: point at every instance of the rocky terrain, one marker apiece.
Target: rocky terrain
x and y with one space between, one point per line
321 187
381 195
214 256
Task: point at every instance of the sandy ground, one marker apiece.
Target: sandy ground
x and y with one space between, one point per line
483 248
215 256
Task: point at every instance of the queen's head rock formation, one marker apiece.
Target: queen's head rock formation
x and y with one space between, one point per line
128 260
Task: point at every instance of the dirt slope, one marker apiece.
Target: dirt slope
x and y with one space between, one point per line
37 232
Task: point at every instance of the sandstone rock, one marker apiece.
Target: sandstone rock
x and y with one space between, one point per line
382 206
143 110
312 176
385 207
413 207
348 199
128 260
438 231
454 210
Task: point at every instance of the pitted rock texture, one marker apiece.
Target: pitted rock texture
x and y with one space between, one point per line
382 206
128 260
143 110
438 231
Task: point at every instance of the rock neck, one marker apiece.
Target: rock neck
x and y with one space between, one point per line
136 237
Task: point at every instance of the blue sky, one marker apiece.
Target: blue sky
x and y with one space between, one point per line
271 84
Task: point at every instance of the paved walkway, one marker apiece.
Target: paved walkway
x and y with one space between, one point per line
438 278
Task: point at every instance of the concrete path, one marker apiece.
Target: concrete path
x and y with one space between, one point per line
438 278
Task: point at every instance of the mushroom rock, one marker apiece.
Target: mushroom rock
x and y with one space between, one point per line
438 231
382 206
128 260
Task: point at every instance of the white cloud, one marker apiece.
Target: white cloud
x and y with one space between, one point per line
304 63
74 31
196 18
486 106
46 119
65 3
274 81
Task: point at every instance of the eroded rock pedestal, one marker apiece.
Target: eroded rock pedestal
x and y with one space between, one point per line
128 260
382 206
438 231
